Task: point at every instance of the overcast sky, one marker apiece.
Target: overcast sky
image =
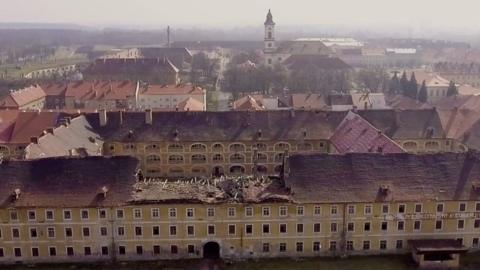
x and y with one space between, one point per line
457 14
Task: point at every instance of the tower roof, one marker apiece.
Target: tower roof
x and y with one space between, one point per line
269 20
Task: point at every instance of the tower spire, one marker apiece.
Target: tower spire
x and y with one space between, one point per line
269 20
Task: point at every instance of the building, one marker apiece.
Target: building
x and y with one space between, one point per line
152 70
95 209
437 86
109 95
29 98
172 97
54 94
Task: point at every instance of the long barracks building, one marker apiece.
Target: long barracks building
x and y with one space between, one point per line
97 209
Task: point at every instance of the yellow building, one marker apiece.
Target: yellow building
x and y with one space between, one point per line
71 209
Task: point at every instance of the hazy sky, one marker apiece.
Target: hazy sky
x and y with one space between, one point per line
231 13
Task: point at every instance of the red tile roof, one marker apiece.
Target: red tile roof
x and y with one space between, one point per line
32 124
190 104
171 89
54 88
249 103
7 123
101 90
357 135
23 97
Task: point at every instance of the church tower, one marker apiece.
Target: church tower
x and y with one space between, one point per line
269 39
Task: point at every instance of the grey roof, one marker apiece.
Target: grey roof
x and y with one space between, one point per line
76 136
218 126
297 47
359 177
67 182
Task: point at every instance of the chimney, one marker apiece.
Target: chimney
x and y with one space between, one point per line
16 193
354 109
121 117
102 114
34 140
104 191
148 116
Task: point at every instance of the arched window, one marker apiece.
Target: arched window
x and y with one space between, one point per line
152 147
4 150
282 146
260 146
304 147
175 147
237 169
410 145
261 170
432 145
175 159
196 159
151 159
279 157
217 147
217 158
237 158
129 147
262 158
237 147
198 147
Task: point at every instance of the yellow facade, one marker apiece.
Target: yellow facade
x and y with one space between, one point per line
162 231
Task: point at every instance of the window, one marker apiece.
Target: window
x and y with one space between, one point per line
368 210
349 245
283 228
334 210
17 252
333 246
15 233
248 211
190 249
384 226
155 213
49 215
461 224
87 251
366 226
462 207
174 249
86 231
475 242
102 214
385 209
120 213
51 232
401 208
333 227
173 230
476 223
31 215
198 159
417 225
399 244
400 225
438 225
156 230
68 232
418 208
283 247
52 251
316 246
84 214
299 246
217 147
139 250
351 227
351 209
237 158
190 213
13 215
231 229
175 159
67 215
440 207
366 245
103 231
138 231
383 244
156 249
137 213
237 147
210 212
300 210
211 229
316 227
477 207
266 228
121 250
2 254
175 148
104 251
172 212
33 233
317 210
217 158
266 211
299 228
283 211
35 252
231 212
121 231
248 229
266 247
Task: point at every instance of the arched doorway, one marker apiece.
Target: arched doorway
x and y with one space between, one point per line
217 171
211 250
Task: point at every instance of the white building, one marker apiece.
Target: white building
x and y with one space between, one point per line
169 97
